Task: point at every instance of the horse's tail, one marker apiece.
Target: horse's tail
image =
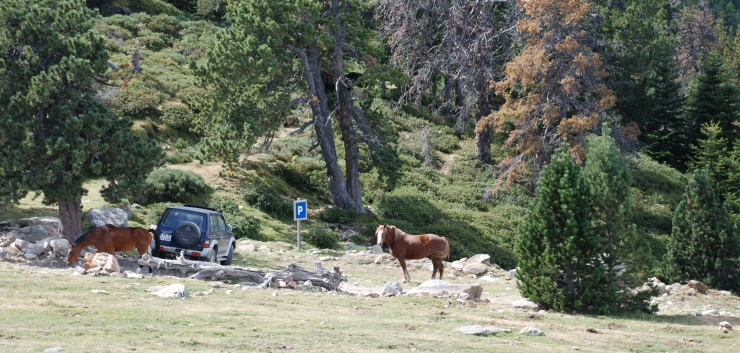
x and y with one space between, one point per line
155 251
443 254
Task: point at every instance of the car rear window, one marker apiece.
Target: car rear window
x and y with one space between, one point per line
175 217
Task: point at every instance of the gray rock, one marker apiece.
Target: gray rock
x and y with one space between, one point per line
512 273
378 260
99 217
724 292
3 252
46 243
531 331
464 296
699 287
31 234
134 275
29 256
248 248
7 239
28 248
60 246
710 313
526 304
457 265
479 330
375 249
53 349
481 258
438 286
475 268
172 291
129 212
349 234
53 222
392 288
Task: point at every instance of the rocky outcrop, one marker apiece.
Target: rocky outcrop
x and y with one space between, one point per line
440 287
99 217
393 288
479 330
172 291
105 261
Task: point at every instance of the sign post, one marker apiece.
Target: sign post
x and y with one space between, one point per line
300 213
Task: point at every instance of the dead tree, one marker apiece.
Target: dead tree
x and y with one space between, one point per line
319 277
464 42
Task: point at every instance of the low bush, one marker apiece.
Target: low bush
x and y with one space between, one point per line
175 185
323 239
337 215
179 158
244 226
154 211
165 24
299 176
407 204
263 197
177 115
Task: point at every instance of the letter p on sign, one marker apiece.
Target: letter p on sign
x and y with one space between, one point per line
300 210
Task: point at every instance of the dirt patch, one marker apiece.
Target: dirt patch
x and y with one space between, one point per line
448 162
533 317
593 330
672 329
615 326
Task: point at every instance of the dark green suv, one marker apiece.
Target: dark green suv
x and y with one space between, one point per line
200 232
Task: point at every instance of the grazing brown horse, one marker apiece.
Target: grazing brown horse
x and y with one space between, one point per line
414 247
110 239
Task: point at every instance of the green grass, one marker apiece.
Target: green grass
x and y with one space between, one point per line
46 307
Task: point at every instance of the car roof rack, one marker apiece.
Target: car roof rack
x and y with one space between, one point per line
207 208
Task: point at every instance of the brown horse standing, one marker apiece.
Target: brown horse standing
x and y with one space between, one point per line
110 239
414 247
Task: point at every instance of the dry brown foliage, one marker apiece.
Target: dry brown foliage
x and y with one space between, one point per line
555 88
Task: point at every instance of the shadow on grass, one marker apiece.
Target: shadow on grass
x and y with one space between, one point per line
667 319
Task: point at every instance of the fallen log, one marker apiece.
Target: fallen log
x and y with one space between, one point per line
319 277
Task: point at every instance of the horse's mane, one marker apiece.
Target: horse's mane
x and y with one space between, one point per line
397 233
82 237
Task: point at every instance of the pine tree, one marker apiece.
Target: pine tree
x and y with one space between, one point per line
52 133
557 248
724 165
554 88
705 244
711 98
610 182
661 126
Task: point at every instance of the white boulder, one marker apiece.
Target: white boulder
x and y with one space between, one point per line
99 217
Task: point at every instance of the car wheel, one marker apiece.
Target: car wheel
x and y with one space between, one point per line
230 257
212 256
187 234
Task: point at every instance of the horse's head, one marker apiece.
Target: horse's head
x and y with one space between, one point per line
71 256
380 232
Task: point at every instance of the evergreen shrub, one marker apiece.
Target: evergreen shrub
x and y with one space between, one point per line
243 226
407 204
177 115
302 177
337 215
323 238
175 185
265 198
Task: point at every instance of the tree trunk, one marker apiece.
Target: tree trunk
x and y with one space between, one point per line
344 102
461 112
483 137
447 91
324 131
71 217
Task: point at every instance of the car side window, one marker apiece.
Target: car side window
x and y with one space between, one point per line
221 223
214 224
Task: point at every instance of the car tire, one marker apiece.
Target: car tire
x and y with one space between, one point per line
187 234
229 258
213 257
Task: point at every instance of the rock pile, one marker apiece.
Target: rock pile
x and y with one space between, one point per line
32 238
691 289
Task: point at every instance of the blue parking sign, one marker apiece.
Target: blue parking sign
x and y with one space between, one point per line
300 210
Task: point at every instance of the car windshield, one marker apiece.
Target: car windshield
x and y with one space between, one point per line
175 217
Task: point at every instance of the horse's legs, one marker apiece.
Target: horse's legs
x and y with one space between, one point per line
406 277
441 266
434 266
